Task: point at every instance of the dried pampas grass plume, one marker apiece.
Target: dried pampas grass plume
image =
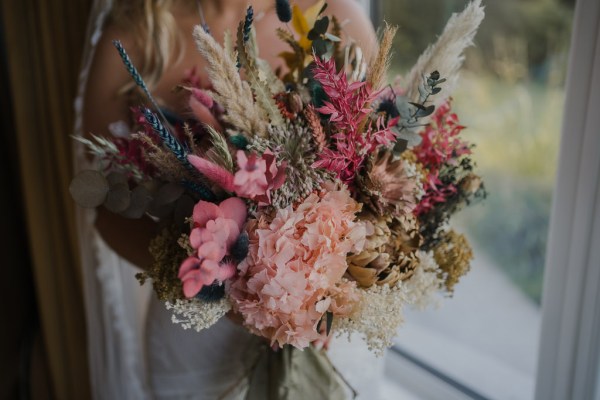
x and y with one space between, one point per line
232 93
446 55
380 62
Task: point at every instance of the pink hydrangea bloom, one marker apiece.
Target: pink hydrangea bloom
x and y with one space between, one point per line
293 273
215 230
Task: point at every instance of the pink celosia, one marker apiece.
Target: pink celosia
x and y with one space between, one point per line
348 107
215 229
293 273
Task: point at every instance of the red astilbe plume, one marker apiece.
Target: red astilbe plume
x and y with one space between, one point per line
441 143
441 146
348 106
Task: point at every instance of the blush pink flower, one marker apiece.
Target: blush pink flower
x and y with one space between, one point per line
257 177
215 229
293 273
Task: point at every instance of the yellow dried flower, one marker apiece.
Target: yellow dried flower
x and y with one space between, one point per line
453 254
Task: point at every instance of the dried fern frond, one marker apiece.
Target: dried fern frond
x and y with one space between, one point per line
446 55
231 92
264 98
380 62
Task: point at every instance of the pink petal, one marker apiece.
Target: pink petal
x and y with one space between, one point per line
242 160
279 179
196 237
204 211
213 172
211 251
234 208
191 287
189 264
203 114
209 271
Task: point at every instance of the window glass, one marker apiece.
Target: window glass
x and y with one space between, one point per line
510 97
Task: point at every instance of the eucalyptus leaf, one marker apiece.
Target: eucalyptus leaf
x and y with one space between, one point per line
321 25
425 111
89 188
320 47
168 193
115 178
313 35
118 198
419 106
140 200
322 10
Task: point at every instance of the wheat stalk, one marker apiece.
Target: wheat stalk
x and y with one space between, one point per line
379 64
231 92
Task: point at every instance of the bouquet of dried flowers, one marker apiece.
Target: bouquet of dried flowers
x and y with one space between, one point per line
309 204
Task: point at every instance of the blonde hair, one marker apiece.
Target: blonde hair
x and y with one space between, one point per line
154 33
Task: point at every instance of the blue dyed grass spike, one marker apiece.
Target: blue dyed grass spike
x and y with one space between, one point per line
248 23
177 149
246 31
137 78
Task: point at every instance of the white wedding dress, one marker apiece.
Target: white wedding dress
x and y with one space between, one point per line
135 351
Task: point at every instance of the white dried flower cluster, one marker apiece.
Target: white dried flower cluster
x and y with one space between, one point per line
380 313
198 314
412 172
381 309
423 288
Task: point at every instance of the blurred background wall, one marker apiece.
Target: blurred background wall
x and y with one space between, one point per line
42 339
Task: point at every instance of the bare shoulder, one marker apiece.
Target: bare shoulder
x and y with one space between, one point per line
102 103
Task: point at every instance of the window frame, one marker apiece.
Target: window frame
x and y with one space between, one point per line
569 351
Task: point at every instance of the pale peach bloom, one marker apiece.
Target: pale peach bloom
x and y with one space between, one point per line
294 272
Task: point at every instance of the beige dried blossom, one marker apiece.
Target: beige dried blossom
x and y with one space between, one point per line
389 254
389 187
